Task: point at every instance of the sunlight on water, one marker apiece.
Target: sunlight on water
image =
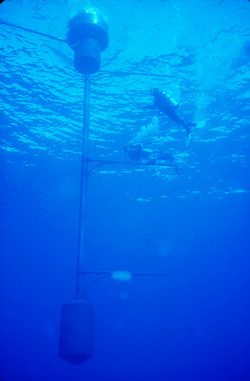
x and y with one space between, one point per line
43 95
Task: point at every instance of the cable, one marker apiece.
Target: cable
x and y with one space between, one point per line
31 31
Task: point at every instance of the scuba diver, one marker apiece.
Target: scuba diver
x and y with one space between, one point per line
136 152
167 105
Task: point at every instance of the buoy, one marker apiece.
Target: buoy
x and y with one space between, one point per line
88 37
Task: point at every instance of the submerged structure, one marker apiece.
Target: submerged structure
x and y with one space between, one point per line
87 36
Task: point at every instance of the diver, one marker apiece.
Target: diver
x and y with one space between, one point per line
138 153
167 105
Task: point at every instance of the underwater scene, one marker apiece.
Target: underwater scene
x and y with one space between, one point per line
125 190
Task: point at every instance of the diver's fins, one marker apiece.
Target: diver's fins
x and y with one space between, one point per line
189 126
188 138
188 129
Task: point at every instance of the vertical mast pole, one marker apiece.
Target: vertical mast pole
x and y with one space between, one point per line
82 248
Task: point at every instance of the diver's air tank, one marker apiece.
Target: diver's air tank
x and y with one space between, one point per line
171 100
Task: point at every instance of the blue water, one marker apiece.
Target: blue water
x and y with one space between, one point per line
193 224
